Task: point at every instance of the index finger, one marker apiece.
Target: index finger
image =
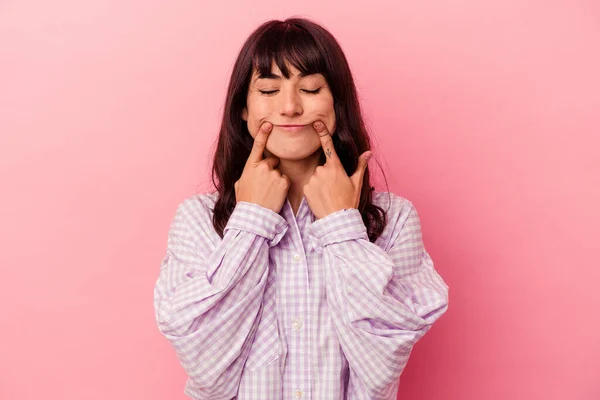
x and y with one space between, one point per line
326 142
260 142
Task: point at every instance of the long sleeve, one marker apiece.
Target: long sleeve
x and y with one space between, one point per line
382 301
209 292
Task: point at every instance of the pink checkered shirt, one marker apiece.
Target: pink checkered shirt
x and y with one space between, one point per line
289 307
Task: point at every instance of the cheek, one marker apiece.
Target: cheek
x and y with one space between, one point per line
258 110
323 104
325 107
262 108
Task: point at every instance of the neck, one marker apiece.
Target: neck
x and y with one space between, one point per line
299 173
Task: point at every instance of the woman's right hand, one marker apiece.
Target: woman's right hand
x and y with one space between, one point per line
260 182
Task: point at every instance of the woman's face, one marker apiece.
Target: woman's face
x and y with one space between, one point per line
295 101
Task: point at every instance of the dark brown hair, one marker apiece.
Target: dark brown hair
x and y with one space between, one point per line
311 49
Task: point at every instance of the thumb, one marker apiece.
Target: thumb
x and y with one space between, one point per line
363 162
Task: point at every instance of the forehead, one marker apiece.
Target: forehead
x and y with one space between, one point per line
276 73
276 70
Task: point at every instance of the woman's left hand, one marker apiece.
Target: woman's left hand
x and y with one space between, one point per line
330 189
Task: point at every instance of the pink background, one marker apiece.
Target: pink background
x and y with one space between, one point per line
485 115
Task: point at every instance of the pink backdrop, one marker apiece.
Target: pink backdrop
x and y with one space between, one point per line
485 115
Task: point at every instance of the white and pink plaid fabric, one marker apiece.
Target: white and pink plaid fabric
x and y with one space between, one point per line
289 307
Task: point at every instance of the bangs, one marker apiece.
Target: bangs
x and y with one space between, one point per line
287 43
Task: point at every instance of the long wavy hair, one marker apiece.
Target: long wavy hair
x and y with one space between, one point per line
310 48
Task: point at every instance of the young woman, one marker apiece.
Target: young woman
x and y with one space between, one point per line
295 279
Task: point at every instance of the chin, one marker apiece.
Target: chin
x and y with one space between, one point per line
292 155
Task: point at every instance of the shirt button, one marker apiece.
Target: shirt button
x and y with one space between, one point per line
297 324
296 257
298 393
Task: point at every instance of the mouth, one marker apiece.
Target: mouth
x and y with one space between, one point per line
292 128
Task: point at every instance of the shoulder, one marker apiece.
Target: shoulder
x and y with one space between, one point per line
195 212
391 201
198 205
393 204
398 211
191 225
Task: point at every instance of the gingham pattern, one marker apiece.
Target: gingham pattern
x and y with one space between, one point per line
289 307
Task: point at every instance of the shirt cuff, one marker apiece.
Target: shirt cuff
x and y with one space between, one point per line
336 227
259 220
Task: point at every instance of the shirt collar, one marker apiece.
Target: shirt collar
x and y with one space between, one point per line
304 211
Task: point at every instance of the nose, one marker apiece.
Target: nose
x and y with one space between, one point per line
291 104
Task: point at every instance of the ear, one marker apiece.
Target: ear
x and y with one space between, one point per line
245 114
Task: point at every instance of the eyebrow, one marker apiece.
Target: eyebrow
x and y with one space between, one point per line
271 75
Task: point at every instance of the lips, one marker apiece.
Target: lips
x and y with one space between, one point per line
292 128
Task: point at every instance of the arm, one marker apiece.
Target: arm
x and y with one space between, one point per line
382 301
208 296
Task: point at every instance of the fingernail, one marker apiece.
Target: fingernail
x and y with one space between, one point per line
318 125
268 126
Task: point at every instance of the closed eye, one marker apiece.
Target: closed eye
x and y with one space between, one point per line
312 91
267 92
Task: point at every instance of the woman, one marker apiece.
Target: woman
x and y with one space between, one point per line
294 279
